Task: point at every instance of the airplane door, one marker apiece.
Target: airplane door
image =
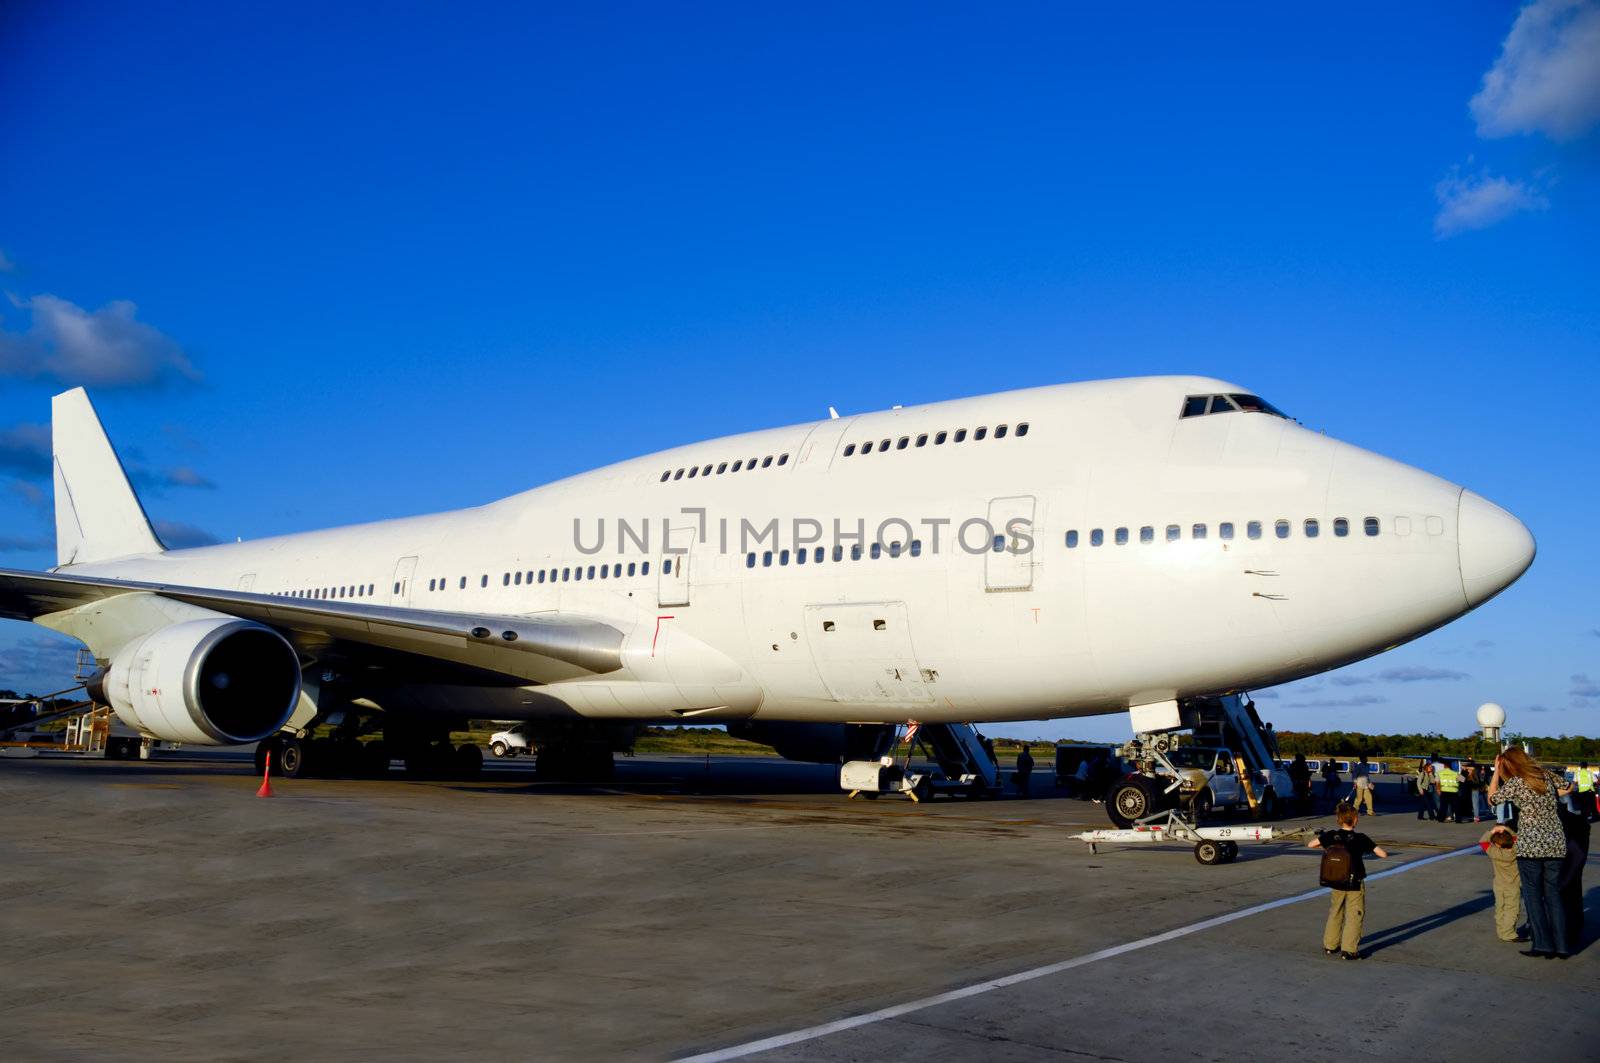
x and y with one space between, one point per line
247 581
1011 567
863 653
404 570
672 578
816 453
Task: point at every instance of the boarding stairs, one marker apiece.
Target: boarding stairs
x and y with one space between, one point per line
1231 722
960 754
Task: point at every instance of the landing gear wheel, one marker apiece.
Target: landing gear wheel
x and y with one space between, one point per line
499 749
469 761
1133 798
372 762
292 759
1208 853
1230 852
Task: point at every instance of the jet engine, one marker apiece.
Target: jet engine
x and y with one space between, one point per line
819 743
209 682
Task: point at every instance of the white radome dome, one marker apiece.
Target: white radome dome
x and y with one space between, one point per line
1491 715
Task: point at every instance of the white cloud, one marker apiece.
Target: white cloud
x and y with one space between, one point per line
1547 79
108 347
1477 202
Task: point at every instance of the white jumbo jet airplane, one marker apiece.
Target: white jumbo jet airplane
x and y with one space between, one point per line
1059 551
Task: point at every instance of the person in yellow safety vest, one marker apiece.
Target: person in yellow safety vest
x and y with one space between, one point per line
1449 786
1585 780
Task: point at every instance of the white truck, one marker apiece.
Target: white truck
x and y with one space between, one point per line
1208 778
510 743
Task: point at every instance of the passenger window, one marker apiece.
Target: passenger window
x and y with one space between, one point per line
694 472
1072 540
800 556
1341 527
706 471
1173 533
939 438
1022 429
883 444
483 580
566 574
1000 542
644 568
855 552
1122 536
666 567
849 450
902 444
631 566
1253 529
783 459
591 572
1281 529
463 585
678 475
541 575
1311 528
783 557
817 556
916 547
838 553
666 476
737 465
1198 531
1194 406
1370 525
577 574
766 559
722 468
961 435
922 440
749 560
518 580
1000 431
396 590
605 571
1225 530
1096 537
430 584
766 462
894 550
1147 534
979 433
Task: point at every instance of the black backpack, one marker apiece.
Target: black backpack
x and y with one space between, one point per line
1338 866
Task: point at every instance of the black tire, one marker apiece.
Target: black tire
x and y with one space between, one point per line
469 760
1208 853
1230 852
499 748
373 759
293 761
1132 798
1267 807
1204 804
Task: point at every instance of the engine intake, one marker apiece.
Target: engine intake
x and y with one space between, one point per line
208 682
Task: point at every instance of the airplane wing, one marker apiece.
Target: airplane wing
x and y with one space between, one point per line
481 647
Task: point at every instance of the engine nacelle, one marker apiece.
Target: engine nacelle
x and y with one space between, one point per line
209 682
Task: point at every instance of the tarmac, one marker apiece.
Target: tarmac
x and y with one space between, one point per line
722 908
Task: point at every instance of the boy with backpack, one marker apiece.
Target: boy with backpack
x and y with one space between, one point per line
1344 873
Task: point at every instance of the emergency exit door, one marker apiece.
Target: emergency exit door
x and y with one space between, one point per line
1013 547
672 579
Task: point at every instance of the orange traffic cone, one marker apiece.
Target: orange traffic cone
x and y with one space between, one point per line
266 780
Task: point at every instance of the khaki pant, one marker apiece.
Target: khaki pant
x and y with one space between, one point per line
1347 910
1507 902
1364 799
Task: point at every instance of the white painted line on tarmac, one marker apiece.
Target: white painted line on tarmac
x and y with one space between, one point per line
811 1033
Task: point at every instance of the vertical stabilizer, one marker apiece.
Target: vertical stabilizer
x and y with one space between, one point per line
98 517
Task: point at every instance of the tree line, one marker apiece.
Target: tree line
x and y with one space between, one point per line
1355 743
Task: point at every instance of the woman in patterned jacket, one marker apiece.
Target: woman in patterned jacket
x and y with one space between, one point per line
1541 845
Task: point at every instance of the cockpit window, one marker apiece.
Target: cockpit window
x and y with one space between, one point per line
1257 404
1200 405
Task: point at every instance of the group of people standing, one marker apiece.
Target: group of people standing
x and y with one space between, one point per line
1549 844
1452 795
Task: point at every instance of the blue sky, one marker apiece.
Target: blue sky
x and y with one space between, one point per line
321 264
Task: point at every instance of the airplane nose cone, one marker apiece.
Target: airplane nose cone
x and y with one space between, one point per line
1495 548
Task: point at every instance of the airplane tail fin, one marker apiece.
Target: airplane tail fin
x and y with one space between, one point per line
98 517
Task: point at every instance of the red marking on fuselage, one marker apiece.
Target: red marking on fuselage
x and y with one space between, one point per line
657 637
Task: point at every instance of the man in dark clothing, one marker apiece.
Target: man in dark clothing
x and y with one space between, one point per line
1347 904
1330 782
1300 776
1570 882
1024 770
